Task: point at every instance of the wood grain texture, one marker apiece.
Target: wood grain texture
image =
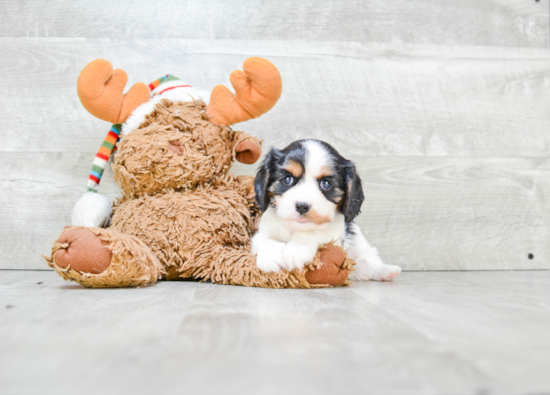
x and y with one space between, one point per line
511 23
444 106
458 213
380 100
422 213
425 333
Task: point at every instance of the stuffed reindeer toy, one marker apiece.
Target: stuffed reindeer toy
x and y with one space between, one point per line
181 215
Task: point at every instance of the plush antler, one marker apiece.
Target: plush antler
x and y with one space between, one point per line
101 92
257 89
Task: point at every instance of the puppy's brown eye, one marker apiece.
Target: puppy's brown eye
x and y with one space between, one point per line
288 180
326 185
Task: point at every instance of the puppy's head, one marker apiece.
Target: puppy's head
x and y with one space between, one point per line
307 183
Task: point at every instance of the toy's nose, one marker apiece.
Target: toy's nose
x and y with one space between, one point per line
302 207
176 147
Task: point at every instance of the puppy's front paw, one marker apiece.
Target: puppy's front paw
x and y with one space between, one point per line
383 273
270 257
297 255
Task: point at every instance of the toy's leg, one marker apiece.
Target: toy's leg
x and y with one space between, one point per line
225 265
102 258
369 264
330 266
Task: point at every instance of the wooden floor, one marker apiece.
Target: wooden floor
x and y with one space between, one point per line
426 333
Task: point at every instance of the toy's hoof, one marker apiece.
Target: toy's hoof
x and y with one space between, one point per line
83 250
331 273
103 258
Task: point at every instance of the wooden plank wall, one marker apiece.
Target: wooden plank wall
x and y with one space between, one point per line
444 105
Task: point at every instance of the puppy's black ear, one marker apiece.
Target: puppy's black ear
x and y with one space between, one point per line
262 180
354 193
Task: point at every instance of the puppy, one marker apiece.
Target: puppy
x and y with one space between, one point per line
309 195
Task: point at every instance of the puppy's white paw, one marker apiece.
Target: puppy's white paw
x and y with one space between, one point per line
297 255
270 257
382 273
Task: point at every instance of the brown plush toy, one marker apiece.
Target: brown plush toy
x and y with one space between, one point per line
181 215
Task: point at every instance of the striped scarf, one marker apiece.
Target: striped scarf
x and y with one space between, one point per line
102 157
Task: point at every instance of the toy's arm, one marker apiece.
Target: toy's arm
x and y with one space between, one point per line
330 267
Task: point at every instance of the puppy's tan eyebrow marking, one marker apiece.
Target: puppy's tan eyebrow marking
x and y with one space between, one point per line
294 168
325 172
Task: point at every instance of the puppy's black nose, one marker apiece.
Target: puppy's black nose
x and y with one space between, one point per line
302 208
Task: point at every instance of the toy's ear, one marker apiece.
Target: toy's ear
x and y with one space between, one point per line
257 89
248 151
351 205
262 181
100 90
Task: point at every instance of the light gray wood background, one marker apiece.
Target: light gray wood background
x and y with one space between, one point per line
444 105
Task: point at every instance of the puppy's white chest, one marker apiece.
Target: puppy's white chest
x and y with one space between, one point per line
279 245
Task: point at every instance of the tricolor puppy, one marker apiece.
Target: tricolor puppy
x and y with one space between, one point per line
309 195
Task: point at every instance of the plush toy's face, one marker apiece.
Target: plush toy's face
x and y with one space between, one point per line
177 147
